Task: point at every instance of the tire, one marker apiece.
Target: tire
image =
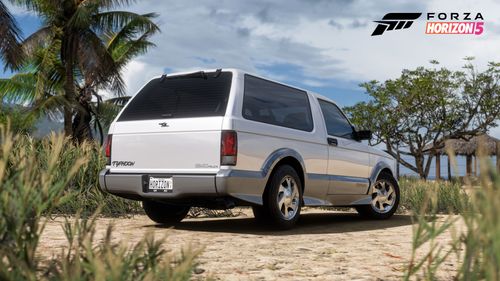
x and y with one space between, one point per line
282 201
260 214
385 198
164 213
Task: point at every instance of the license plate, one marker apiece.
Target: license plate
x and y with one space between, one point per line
158 184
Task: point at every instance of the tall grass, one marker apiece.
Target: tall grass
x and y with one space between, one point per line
476 246
447 196
83 183
34 181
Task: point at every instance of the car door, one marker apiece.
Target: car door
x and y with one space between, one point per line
348 161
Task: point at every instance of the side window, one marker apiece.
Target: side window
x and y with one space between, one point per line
276 104
336 123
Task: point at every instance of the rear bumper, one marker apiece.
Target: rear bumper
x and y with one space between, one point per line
246 186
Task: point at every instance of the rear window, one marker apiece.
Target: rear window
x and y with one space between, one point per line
276 104
181 97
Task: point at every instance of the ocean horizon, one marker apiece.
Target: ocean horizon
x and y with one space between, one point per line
456 171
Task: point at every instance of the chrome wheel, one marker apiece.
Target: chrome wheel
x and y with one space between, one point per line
383 196
288 198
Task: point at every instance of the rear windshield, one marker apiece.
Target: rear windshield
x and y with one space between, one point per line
197 95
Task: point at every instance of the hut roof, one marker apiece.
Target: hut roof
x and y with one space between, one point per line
463 147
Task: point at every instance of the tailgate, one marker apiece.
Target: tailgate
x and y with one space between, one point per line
185 146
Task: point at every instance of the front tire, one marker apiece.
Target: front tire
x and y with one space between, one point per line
385 198
282 201
164 213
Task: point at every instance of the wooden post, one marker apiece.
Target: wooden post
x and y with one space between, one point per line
498 156
449 168
468 166
475 165
438 166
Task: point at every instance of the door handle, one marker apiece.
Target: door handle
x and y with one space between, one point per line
332 141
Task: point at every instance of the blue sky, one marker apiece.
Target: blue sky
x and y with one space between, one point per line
320 45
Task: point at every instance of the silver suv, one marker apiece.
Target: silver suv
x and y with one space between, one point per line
225 138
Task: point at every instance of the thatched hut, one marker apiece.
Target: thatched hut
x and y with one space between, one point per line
469 149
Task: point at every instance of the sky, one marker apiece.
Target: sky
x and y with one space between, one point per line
320 45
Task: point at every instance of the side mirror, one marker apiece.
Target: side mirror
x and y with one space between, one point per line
362 135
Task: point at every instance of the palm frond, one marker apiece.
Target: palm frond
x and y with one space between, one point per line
19 89
48 9
10 36
126 51
118 101
108 4
39 38
115 21
82 16
97 64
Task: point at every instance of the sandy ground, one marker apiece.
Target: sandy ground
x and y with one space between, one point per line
323 246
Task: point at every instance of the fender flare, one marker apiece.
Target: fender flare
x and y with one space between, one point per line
376 172
278 155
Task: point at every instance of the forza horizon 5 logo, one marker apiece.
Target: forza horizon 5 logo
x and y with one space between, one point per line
437 23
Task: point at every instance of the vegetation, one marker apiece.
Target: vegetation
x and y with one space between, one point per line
10 36
428 106
475 248
448 197
34 184
80 49
81 189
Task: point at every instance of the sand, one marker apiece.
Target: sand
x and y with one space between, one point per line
325 245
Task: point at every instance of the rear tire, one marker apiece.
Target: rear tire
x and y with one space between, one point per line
385 198
282 201
164 213
260 214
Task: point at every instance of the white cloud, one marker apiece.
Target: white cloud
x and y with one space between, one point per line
321 41
248 34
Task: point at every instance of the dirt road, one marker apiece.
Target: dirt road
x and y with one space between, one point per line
324 246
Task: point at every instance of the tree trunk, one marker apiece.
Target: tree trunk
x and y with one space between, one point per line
81 123
438 167
69 89
397 165
68 115
419 163
449 168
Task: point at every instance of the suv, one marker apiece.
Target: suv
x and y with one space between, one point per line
225 138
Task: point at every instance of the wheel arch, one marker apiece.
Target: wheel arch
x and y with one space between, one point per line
284 156
380 167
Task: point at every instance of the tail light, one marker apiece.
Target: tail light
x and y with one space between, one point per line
107 148
228 148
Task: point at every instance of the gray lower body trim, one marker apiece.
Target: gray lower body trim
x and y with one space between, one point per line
244 185
348 185
349 199
184 185
339 184
247 186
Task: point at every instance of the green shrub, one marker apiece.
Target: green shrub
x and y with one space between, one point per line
34 180
476 247
146 260
83 186
447 197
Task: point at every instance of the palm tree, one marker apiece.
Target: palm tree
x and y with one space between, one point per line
41 81
10 35
77 41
